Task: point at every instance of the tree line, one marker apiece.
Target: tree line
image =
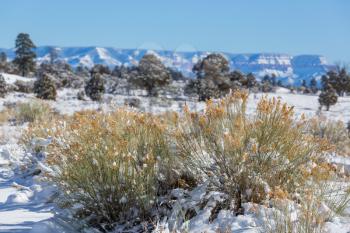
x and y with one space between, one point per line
214 78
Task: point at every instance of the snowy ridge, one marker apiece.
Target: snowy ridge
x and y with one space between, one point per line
290 69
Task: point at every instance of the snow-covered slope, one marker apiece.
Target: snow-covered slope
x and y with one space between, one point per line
290 69
11 78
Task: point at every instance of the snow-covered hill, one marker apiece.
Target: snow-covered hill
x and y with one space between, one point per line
290 69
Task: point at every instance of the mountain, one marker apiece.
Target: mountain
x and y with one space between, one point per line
289 69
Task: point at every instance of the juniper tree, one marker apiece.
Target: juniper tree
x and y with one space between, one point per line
3 61
45 88
279 83
3 57
53 55
339 79
266 79
151 74
176 75
266 84
273 80
303 83
328 97
25 56
214 79
313 85
95 87
251 81
3 87
101 69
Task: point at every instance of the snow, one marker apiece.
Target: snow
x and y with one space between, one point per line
11 78
20 205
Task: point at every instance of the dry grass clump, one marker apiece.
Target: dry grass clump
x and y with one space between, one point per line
334 131
5 115
31 111
317 204
25 112
249 157
111 164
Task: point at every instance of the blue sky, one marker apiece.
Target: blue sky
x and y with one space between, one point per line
246 26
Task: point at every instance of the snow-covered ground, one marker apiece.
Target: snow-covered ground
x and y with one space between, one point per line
26 201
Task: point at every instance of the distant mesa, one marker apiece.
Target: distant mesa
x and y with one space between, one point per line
289 69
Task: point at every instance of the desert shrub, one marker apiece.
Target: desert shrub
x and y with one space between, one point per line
31 111
5 115
3 87
334 131
317 204
328 97
112 167
81 95
95 87
151 74
45 87
25 87
133 102
248 157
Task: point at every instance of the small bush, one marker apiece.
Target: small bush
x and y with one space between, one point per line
3 87
317 204
45 87
31 111
95 87
5 115
81 95
25 87
112 166
328 97
334 132
132 102
248 157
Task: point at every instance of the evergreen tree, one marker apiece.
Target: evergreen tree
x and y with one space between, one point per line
3 58
101 69
266 84
53 55
251 81
45 87
279 83
324 81
176 75
82 71
303 83
273 80
95 87
213 77
266 79
3 87
344 78
151 73
24 54
313 85
3 61
328 97
339 79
